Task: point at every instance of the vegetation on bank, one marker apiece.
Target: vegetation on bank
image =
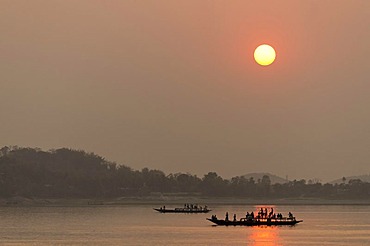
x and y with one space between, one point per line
67 173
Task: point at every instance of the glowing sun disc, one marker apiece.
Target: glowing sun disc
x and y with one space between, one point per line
264 55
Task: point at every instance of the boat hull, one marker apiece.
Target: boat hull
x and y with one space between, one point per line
254 222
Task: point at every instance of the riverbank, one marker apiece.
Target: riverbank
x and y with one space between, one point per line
175 200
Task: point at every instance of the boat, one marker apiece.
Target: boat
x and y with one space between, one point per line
262 219
183 210
255 222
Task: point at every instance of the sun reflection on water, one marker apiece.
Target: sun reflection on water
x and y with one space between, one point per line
264 236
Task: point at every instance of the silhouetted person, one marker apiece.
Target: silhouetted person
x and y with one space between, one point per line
290 215
234 217
271 213
252 215
260 213
227 216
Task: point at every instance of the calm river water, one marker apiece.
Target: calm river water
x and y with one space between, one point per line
140 225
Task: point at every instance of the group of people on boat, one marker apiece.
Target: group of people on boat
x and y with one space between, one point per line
190 206
263 213
214 217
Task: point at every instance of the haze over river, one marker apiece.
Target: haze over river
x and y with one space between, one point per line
141 225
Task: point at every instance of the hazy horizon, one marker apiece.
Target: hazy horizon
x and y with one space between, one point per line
172 85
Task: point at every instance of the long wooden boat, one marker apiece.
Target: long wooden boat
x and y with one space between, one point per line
255 222
182 210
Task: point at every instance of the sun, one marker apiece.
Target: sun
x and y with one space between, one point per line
264 55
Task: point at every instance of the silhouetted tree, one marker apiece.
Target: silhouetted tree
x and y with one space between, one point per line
65 172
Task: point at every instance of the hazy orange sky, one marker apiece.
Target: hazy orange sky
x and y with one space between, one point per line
173 85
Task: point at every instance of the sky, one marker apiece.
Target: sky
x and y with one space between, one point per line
172 84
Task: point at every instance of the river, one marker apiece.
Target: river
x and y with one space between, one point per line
141 225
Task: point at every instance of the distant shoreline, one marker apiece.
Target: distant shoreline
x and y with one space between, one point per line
25 202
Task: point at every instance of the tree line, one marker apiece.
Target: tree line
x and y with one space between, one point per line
67 173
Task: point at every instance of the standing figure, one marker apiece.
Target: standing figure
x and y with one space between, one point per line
271 213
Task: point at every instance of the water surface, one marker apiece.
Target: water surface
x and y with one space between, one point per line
140 225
